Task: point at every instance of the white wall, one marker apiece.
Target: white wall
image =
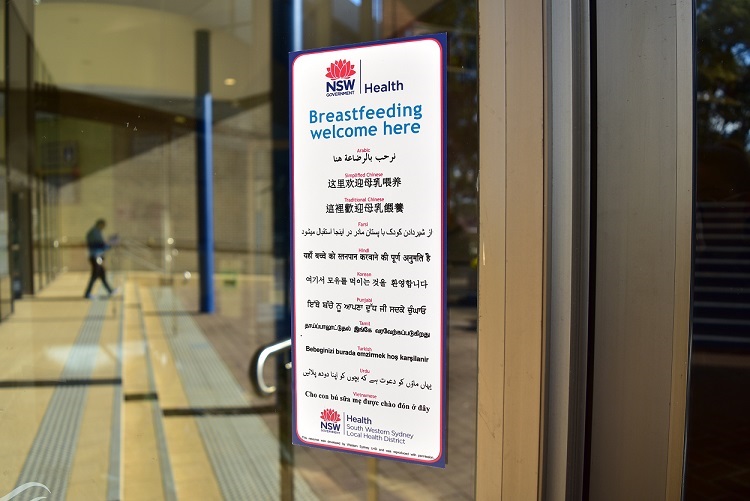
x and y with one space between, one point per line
130 50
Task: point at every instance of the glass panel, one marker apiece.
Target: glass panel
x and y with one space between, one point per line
6 292
133 393
719 413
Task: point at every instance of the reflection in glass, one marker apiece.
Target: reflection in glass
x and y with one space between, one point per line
719 421
107 96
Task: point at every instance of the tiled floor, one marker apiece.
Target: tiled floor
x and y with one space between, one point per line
119 357
59 375
237 333
129 363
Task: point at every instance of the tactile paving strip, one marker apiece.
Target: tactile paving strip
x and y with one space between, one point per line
243 451
51 455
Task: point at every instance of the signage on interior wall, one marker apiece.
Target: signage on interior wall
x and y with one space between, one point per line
368 182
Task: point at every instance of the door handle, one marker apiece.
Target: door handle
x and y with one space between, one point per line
259 361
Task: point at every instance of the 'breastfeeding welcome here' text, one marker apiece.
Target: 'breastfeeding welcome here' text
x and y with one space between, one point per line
398 122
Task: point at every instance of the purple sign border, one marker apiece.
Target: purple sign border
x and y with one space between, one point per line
442 40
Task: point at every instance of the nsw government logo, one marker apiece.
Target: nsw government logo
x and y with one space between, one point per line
341 83
330 421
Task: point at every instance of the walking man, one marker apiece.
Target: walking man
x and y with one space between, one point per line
97 247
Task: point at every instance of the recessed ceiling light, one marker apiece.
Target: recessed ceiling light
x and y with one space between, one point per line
230 81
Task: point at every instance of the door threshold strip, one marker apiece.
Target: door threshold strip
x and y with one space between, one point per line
141 397
219 411
53 383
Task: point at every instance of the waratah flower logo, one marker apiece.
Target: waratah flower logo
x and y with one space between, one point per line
340 69
330 415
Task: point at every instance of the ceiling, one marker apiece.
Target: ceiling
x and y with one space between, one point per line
233 13
205 13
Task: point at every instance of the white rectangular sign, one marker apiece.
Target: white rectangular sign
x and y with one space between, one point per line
368 248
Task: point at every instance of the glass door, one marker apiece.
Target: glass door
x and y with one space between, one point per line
718 417
134 392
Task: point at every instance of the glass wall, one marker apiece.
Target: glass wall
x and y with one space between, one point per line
48 161
134 393
719 414
6 293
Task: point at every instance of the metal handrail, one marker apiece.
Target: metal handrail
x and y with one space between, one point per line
140 252
258 362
